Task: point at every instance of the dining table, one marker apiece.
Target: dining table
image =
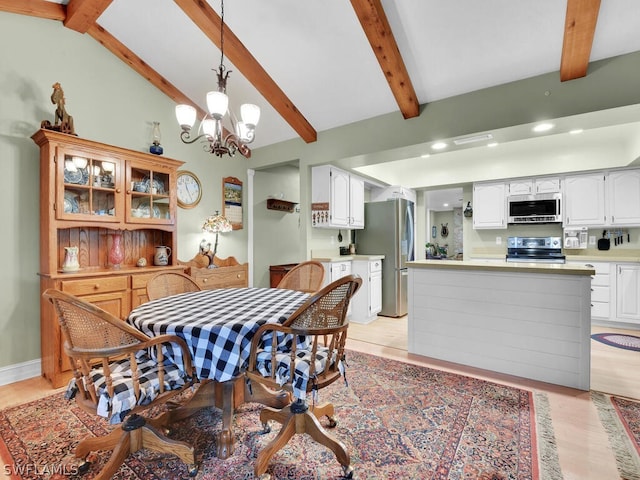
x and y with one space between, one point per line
218 327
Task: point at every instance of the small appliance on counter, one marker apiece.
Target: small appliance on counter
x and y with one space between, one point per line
535 249
575 238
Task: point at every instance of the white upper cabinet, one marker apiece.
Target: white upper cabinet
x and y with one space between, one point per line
337 198
527 186
584 200
489 205
624 197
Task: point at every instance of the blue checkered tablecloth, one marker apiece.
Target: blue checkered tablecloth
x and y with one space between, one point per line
217 325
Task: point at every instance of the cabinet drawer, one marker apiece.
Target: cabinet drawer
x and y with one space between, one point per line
600 309
139 280
218 278
89 286
599 294
375 266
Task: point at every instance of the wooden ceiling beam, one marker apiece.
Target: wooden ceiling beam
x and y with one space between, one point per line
35 8
140 66
579 29
377 29
208 21
82 14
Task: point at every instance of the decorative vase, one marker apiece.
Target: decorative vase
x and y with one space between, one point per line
161 258
71 263
116 253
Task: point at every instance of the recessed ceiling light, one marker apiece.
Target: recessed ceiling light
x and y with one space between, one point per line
445 204
439 145
426 155
492 144
576 131
543 127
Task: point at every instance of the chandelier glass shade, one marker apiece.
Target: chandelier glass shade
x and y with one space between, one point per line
218 139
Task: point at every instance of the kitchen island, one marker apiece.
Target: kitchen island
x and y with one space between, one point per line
532 320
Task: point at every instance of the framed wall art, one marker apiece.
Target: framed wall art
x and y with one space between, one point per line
232 201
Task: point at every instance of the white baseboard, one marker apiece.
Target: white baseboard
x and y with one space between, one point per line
20 371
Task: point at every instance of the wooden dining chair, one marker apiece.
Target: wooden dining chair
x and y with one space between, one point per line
170 283
312 339
305 277
116 377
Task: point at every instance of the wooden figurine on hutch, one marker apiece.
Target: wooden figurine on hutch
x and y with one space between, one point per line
63 122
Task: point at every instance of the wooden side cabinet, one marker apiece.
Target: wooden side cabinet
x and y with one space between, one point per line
228 273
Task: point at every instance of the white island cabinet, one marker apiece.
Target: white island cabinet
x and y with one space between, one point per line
524 319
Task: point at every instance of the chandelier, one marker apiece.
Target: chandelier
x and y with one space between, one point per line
218 140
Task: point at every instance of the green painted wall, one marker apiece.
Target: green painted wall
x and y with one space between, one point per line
110 103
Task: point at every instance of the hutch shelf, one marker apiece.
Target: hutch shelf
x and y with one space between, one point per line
88 192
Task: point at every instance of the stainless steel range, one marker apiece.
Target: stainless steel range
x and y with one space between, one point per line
535 249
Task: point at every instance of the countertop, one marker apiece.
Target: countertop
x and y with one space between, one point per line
347 258
503 266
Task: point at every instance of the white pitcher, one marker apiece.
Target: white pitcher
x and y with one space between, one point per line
71 262
161 258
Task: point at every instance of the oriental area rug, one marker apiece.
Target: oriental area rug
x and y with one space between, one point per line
398 421
621 419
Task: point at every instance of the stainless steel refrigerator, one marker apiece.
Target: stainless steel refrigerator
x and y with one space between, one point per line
389 230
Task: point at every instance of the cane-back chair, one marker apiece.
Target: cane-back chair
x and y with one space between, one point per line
170 283
314 336
119 372
305 277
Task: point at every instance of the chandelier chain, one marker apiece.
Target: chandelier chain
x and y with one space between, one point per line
222 35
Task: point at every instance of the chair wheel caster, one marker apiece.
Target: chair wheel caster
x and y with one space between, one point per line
193 470
332 422
264 476
265 429
84 467
348 471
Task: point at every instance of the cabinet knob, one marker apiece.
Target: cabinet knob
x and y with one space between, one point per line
96 286
204 280
238 275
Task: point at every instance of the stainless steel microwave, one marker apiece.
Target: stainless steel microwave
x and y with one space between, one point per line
538 208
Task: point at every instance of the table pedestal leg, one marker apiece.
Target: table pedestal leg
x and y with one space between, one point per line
225 443
227 396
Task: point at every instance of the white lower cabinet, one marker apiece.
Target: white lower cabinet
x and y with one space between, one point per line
601 291
335 271
367 302
628 292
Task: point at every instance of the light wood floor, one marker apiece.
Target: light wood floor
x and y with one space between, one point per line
582 443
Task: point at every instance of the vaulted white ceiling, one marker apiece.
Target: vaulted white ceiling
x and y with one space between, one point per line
319 56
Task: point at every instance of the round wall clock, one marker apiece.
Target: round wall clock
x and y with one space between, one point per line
189 189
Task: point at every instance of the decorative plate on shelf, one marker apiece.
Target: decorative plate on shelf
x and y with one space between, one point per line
79 177
157 184
143 210
70 203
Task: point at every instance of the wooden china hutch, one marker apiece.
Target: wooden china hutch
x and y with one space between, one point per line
90 195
